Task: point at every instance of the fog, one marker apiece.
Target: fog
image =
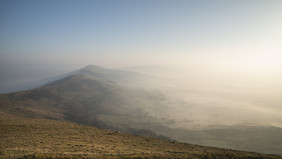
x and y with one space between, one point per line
22 76
204 96
213 63
200 93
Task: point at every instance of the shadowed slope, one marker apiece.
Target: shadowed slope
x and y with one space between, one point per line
106 99
83 99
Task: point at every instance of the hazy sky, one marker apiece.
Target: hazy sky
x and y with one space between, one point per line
44 38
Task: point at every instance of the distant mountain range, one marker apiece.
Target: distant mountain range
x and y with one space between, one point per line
127 101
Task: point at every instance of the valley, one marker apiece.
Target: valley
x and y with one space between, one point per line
130 102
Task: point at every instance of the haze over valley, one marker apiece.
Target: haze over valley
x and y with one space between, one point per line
199 72
153 106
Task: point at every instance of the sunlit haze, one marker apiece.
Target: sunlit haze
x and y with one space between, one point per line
226 55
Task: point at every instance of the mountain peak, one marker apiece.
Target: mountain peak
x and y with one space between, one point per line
92 67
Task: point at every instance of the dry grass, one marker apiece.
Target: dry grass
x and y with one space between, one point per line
41 138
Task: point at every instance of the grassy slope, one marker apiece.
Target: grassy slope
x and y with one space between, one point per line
73 97
84 100
92 102
41 138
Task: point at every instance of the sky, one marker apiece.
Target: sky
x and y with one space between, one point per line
41 39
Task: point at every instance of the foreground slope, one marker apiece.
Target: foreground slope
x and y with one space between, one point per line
41 138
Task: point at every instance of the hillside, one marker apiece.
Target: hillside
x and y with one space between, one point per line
125 101
42 138
82 99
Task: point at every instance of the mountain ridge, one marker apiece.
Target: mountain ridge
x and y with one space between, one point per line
94 97
82 99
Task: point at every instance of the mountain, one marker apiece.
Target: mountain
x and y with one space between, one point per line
42 138
129 102
93 96
123 78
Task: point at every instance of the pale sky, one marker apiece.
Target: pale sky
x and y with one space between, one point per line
40 39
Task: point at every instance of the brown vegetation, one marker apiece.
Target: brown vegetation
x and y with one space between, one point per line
42 138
